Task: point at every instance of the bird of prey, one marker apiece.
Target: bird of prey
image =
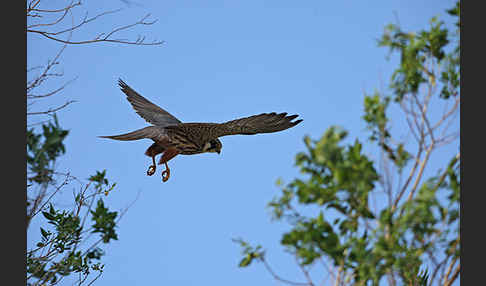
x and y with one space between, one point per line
172 137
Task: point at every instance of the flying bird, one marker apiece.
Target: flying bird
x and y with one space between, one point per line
172 137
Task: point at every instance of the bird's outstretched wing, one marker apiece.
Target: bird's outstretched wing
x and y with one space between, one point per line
151 132
261 123
146 109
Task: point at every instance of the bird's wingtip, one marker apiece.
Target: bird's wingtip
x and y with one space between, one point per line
121 83
292 117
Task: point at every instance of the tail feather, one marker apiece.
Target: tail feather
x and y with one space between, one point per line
146 132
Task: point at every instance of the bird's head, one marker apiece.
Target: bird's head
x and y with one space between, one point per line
213 146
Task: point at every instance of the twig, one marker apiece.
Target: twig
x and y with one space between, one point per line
99 274
139 41
43 76
338 276
329 270
52 110
419 175
54 91
454 276
65 182
409 178
66 11
276 277
437 268
306 273
423 110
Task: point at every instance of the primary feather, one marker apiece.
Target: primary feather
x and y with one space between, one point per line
151 132
146 109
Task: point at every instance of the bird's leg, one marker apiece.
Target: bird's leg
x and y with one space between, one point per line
152 168
165 173
153 151
168 154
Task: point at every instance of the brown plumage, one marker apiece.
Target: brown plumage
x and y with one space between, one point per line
172 137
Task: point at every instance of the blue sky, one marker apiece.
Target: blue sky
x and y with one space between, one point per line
221 60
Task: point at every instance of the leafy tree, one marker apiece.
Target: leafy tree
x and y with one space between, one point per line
70 238
413 237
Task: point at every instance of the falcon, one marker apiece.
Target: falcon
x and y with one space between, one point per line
172 137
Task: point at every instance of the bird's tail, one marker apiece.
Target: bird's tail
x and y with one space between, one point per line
135 135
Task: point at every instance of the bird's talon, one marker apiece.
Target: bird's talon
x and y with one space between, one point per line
151 170
165 175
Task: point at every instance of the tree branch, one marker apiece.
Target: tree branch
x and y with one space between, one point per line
52 110
276 277
101 37
449 282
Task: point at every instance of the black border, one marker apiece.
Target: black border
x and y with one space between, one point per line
14 121
472 119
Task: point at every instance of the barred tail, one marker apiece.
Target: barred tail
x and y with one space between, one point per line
147 132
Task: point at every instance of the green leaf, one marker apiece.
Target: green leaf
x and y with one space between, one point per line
48 216
44 233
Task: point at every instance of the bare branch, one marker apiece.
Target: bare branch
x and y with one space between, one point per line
448 114
338 276
70 6
102 37
65 182
420 173
449 282
409 178
445 276
52 110
407 114
329 270
31 96
45 73
436 270
32 5
85 21
278 278
423 111
92 281
304 271
66 11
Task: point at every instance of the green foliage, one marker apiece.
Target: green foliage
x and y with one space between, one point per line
101 181
376 119
311 238
67 227
249 253
375 116
59 252
65 247
456 11
423 278
104 222
327 206
99 178
341 179
417 53
43 149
